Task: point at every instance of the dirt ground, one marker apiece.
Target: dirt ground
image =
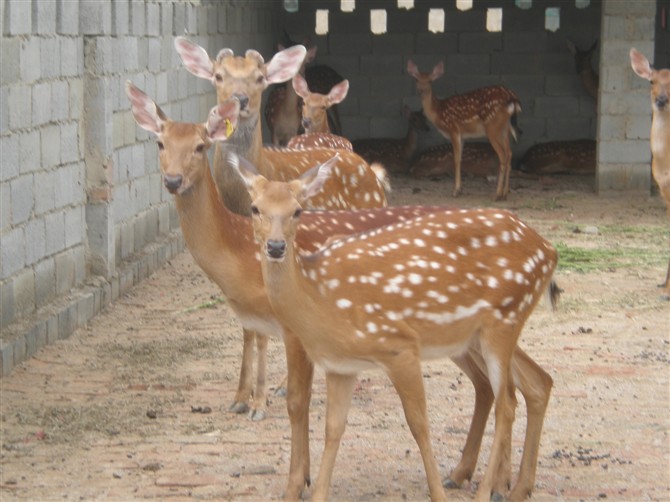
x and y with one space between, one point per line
108 413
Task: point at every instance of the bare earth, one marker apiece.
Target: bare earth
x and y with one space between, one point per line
108 413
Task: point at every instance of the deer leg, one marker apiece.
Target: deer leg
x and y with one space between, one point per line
339 389
483 402
259 404
405 374
299 394
499 140
245 386
535 385
457 145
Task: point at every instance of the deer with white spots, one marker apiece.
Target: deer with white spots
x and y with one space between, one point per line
315 108
452 283
222 245
660 129
485 112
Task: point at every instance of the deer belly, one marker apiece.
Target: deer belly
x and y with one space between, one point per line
266 326
443 352
345 366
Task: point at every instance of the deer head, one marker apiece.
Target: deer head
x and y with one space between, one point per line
660 80
315 105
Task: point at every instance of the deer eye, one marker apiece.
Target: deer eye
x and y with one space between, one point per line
260 79
218 77
160 144
200 148
297 213
254 210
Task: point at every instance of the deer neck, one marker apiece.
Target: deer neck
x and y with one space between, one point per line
409 145
589 80
430 105
245 142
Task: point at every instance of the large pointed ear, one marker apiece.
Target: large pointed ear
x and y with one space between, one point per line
311 182
640 64
195 58
285 64
147 114
438 71
412 69
338 92
300 86
222 120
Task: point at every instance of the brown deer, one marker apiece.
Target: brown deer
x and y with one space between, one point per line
395 154
220 242
478 160
445 284
576 156
486 112
584 67
315 108
660 129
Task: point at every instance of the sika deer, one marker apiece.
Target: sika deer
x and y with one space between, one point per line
395 154
220 242
584 67
315 108
390 297
660 129
486 112
478 159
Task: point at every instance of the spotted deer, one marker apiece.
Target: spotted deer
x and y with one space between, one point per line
485 112
222 245
584 67
575 156
660 129
478 160
449 283
315 108
395 154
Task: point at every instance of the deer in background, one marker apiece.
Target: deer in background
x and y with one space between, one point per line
584 67
448 283
395 154
485 112
477 160
222 245
576 156
660 129
315 108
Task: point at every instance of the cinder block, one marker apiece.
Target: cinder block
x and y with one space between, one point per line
35 338
140 232
167 13
95 17
41 104
67 321
55 232
559 128
179 13
431 47
69 143
50 57
24 291
18 17
153 21
74 226
64 180
10 52
44 17
120 18
50 145
9 146
22 198
620 176
80 267
71 56
60 108
64 272
67 17
137 18
5 207
19 349
4 111
553 107
20 115
76 97
44 192
85 308
12 252
624 151
613 127
7 357
142 54
459 64
45 281
6 304
350 43
637 127
127 240
479 42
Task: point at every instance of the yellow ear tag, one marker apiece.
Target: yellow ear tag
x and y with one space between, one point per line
229 127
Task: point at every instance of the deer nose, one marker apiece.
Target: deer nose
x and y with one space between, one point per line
276 248
243 99
172 183
661 101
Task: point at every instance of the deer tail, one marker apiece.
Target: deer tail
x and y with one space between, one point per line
382 176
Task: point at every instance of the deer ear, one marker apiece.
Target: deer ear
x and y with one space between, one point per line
244 168
312 181
222 120
195 58
285 64
338 92
147 114
438 71
300 86
640 64
412 69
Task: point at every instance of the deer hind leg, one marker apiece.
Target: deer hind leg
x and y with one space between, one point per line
405 374
535 385
483 402
245 386
499 138
299 387
457 145
259 404
339 389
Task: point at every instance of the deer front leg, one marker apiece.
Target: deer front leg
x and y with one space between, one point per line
457 146
339 389
299 394
260 402
405 374
245 386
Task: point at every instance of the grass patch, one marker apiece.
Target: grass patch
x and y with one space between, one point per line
579 259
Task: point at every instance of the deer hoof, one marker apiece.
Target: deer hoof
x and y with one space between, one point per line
450 484
257 415
239 407
281 392
497 497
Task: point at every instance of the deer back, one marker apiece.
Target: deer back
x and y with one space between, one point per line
560 157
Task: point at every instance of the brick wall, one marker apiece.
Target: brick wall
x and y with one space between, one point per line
82 211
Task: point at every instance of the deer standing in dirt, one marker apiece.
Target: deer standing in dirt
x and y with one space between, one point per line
220 242
660 129
395 154
315 108
445 284
478 159
486 112
584 67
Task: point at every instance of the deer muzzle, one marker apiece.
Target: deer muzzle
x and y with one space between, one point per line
275 249
661 101
173 183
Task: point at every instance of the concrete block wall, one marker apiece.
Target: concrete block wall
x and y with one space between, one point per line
83 215
524 56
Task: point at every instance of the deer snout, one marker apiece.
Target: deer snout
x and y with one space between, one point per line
661 101
276 249
306 123
243 99
173 183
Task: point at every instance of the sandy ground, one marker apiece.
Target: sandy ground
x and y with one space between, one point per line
108 413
